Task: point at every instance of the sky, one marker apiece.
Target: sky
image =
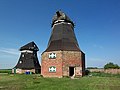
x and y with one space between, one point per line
97 28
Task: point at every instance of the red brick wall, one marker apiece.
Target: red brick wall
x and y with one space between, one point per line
72 59
112 71
46 63
64 60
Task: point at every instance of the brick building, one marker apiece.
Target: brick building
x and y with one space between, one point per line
63 56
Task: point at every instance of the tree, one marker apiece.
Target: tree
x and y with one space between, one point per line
92 68
111 65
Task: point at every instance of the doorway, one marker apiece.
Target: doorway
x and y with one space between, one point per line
71 71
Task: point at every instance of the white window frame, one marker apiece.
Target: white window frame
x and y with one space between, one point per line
52 55
52 69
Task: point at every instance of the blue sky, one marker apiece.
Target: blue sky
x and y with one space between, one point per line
97 28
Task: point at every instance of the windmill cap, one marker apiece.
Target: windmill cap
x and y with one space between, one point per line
30 46
59 15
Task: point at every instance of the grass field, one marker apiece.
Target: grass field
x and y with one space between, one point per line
36 82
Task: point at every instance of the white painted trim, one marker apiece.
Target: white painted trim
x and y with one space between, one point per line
52 55
52 69
59 20
61 23
27 51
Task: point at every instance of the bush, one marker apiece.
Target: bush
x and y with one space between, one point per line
9 71
87 72
92 68
111 65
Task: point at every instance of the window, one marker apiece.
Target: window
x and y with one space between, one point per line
52 55
22 55
52 69
20 62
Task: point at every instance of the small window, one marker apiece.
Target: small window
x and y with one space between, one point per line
52 69
20 62
23 55
52 55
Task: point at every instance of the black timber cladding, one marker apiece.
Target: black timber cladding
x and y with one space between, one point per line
28 60
30 46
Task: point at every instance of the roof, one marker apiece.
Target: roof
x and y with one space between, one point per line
30 46
63 38
61 16
63 46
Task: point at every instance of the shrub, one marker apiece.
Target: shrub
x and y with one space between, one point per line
111 65
6 71
87 72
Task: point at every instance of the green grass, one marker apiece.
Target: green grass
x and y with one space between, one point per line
101 74
6 71
36 82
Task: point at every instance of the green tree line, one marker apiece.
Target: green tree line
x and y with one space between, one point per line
111 65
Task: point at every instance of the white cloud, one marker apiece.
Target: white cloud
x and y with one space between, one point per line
8 57
10 51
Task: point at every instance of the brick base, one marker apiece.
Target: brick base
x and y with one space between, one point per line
21 71
63 61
